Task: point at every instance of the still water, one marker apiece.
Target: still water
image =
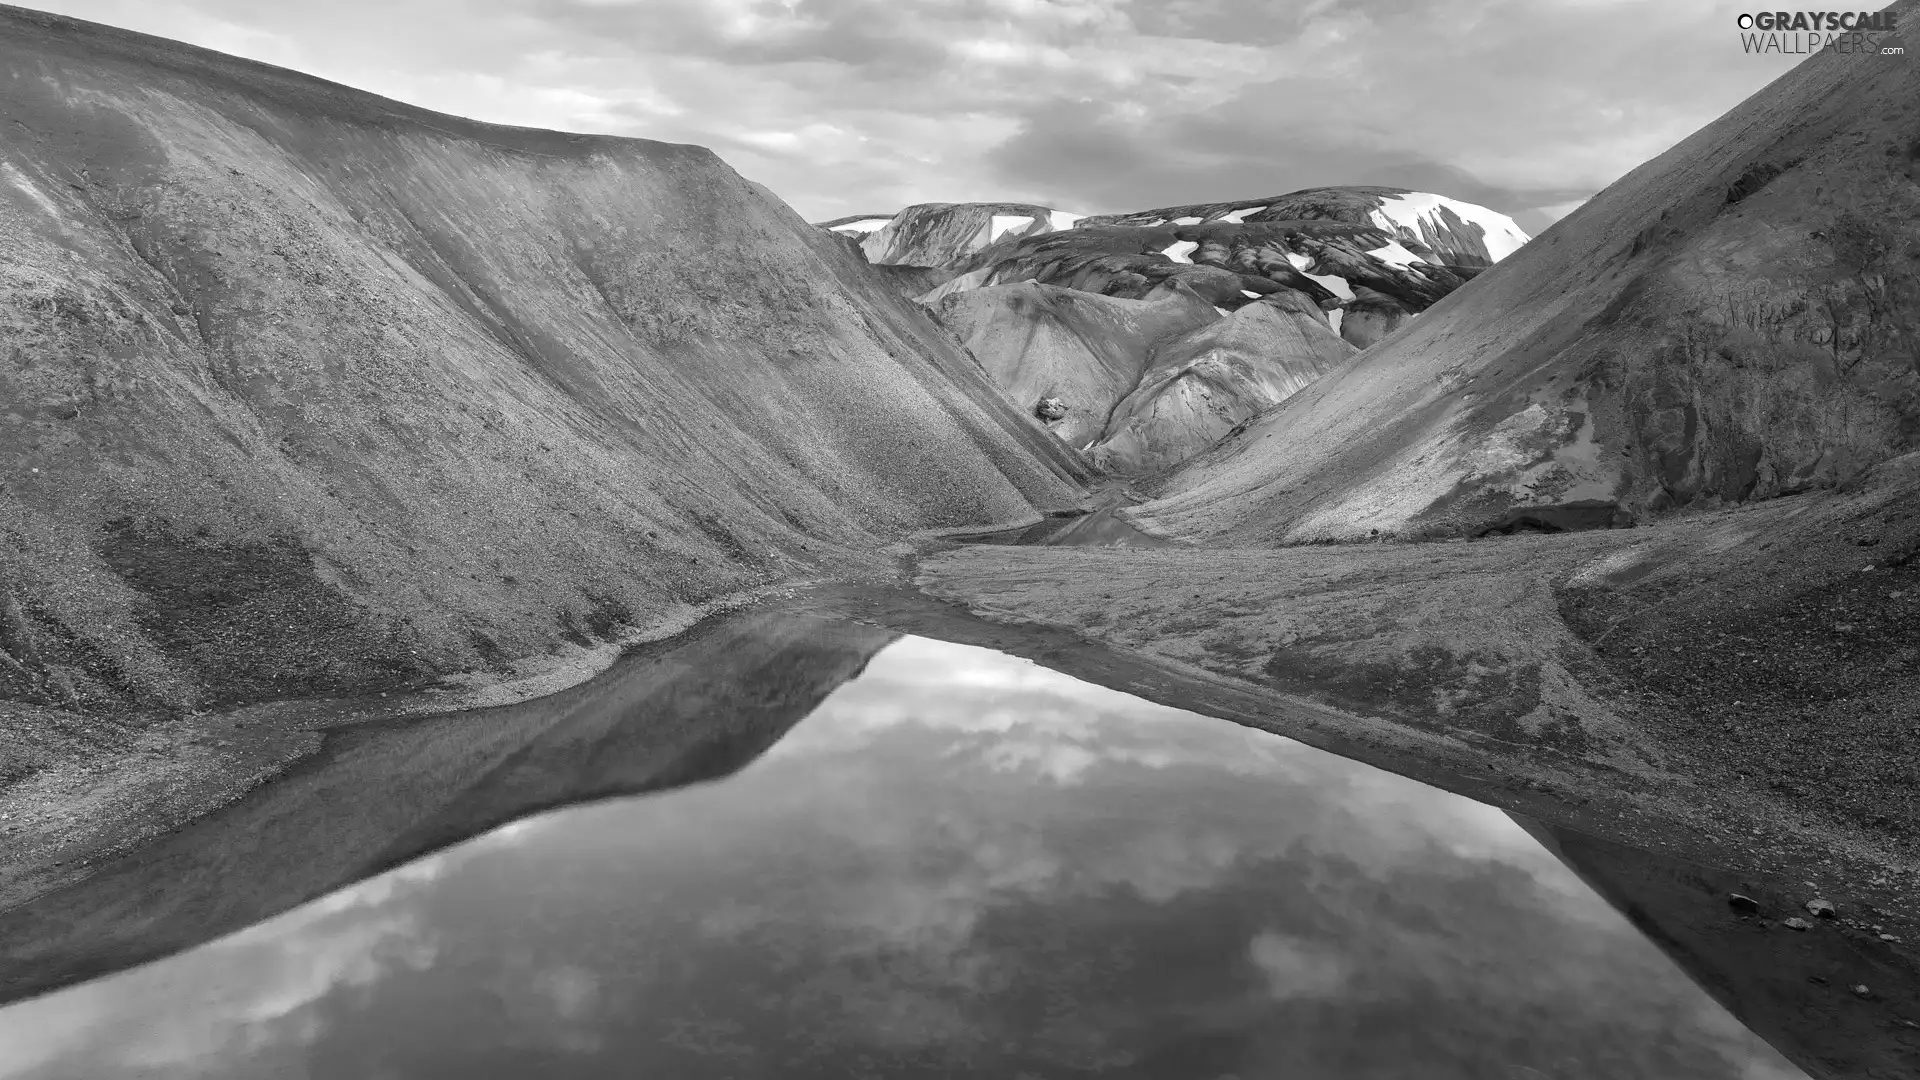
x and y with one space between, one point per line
960 864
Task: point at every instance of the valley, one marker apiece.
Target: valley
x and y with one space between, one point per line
375 478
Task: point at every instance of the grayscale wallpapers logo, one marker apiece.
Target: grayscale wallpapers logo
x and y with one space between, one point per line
1806 32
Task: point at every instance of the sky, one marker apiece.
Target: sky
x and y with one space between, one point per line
1094 106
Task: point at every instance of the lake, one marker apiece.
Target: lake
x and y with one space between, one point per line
958 864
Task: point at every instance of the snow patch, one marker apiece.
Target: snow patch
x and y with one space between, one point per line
1250 294
1060 220
1396 256
1221 310
864 225
1334 282
1239 216
1184 221
1005 223
1337 285
1178 250
1334 317
1501 236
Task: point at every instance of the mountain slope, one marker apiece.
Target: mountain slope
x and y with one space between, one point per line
1077 351
1733 320
1204 383
1461 236
306 392
1358 261
941 234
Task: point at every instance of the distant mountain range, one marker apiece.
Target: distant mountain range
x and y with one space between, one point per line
1210 312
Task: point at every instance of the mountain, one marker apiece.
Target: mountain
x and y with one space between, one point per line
1069 355
1461 236
1297 283
939 234
1202 384
1736 319
307 392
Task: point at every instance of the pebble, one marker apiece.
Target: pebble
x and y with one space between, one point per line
1797 924
1821 908
1860 990
1745 905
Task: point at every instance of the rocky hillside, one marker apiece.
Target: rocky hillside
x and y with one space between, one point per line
307 392
1141 384
1737 319
1296 283
1460 236
942 234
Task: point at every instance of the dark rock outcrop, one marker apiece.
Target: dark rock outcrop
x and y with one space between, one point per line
1738 318
308 392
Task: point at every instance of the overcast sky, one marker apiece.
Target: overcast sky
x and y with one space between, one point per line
858 106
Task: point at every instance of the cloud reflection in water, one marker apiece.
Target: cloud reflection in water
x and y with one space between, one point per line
960 864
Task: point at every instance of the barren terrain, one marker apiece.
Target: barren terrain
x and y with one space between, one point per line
1741 687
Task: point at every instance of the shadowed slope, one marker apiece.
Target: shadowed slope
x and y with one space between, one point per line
310 392
1735 319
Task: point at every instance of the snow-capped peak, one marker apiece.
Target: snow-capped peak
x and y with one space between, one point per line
1417 213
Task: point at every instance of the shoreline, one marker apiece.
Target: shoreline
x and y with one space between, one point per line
1647 828
65 822
62 822
1630 787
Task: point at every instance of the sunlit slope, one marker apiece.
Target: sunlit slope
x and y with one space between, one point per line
1736 319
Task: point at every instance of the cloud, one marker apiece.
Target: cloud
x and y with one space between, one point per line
1158 869
1296 968
903 888
858 106
255 994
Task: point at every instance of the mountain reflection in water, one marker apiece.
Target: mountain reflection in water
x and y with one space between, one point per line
960 864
